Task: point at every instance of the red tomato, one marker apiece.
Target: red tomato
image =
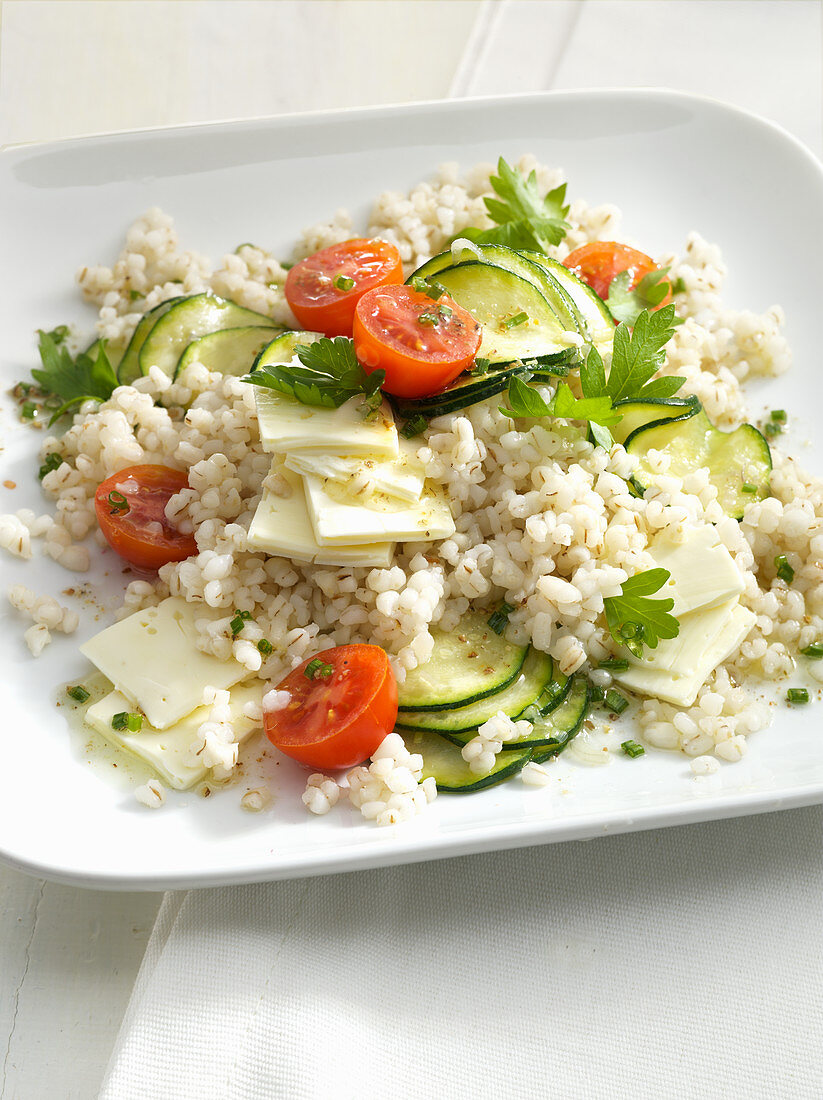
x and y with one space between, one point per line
598 263
337 718
323 289
133 519
421 344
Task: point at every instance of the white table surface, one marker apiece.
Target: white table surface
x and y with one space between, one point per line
68 957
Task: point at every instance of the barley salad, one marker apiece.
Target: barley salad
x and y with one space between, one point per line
550 514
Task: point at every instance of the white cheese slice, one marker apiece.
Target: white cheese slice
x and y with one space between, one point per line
402 477
288 425
281 526
682 690
683 655
152 658
703 573
337 517
167 751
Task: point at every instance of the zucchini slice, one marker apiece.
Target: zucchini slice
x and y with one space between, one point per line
525 689
496 297
114 354
466 664
229 350
444 762
281 348
129 367
733 459
553 732
642 414
520 263
188 320
592 311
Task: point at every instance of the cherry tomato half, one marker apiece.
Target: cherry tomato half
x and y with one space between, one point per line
323 289
343 703
597 264
421 344
131 511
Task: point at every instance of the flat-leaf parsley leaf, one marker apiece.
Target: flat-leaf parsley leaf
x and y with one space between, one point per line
626 303
634 619
88 377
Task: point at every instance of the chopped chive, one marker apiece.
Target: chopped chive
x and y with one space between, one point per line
631 748
29 410
316 669
778 415
678 286
119 504
445 312
415 426
264 646
747 487
78 693
343 282
499 619
134 295
596 694
52 461
431 288
126 720
481 366
518 319
614 664
238 622
784 570
797 695
771 428
814 651
428 319
615 701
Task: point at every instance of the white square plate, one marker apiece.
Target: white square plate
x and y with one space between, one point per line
671 162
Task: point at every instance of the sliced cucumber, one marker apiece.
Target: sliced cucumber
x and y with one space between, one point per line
642 414
444 763
733 459
466 664
553 695
129 367
229 350
495 297
524 690
281 348
188 320
114 354
468 389
592 310
520 264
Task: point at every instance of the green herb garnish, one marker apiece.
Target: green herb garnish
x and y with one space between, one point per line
614 664
135 295
415 426
626 303
631 748
523 217
430 287
78 693
747 487
343 282
635 620
316 669
499 619
814 651
679 286
118 502
481 366
771 428
327 376
239 621
28 410
265 647
797 695
615 701
73 380
519 319
526 401
52 461
637 355
778 416
428 319
784 570
127 720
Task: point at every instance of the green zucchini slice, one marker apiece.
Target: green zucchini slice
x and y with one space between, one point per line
592 310
129 367
553 731
519 263
496 297
525 689
642 414
282 348
444 762
734 460
229 350
466 665
114 354
188 320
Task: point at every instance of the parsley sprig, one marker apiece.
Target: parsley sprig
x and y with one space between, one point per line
524 400
87 377
637 355
634 619
327 375
626 303
524 217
